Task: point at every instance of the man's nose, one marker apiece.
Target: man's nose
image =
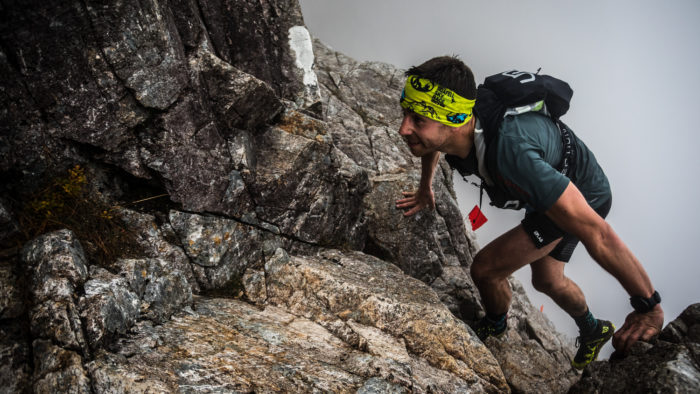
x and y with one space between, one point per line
406 127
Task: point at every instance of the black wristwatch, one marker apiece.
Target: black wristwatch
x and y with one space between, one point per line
644 305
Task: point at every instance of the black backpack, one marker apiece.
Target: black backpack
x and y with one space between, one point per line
512 89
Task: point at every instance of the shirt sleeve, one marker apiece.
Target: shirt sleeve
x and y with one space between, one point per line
525 174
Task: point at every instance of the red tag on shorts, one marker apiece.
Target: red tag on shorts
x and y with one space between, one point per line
476 218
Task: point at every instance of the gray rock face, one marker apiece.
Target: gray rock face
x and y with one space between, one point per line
670 365
281 162
255 37
306 187
146 88
157 243
58 370
240 100
408 241
11 297
8 226
140 43
15 358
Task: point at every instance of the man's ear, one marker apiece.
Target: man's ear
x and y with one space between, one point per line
472 121
467 126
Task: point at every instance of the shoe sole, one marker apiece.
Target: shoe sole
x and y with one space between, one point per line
497 336
599 346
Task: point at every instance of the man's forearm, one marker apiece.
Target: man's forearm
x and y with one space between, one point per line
428 165
572 213
615 257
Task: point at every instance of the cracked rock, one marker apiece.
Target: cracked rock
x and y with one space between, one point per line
108 307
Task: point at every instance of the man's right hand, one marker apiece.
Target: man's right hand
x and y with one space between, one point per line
416 201
638 326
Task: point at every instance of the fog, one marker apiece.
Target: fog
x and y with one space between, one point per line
633 66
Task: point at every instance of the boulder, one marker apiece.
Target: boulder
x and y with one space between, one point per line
57 264
160 286
144 289
338 289
220 249
57 267
108 308
669 364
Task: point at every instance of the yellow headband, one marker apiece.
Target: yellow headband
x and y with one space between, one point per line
429 99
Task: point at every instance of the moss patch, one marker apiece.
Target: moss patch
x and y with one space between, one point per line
66 202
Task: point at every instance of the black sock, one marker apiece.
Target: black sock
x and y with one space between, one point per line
499 320
586 323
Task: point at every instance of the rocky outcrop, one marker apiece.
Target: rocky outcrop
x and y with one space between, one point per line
57 268
228 223
334 322
670 364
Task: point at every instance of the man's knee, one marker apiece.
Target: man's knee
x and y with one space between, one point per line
548 285
481 271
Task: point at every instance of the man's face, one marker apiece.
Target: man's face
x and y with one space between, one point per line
423 135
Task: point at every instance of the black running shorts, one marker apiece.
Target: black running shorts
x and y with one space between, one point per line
543 231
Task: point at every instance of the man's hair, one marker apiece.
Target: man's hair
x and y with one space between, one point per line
448 72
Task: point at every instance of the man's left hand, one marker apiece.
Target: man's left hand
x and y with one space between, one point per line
638 326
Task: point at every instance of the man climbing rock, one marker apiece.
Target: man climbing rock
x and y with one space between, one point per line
525 158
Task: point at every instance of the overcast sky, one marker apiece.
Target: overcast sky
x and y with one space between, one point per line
634 68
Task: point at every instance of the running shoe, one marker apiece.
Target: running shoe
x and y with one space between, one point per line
488 328
589 345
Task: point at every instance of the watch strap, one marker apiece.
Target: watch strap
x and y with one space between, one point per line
644 305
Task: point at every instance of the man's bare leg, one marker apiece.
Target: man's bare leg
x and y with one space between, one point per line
548 277
506 254
498 260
